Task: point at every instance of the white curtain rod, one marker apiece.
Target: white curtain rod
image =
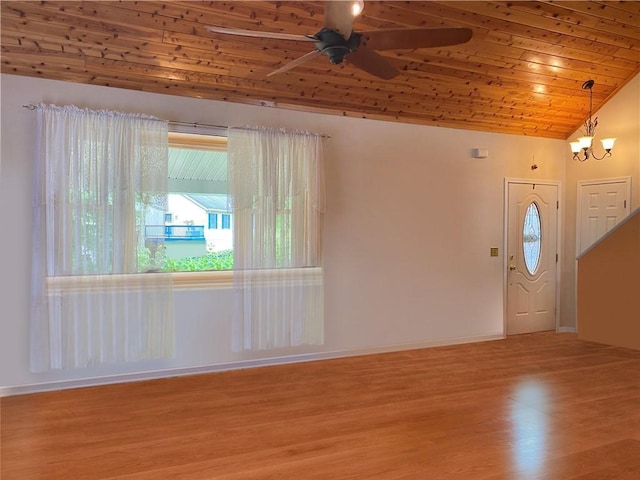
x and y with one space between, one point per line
196 125
253 129
176 123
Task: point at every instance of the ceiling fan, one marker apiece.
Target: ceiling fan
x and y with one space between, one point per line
338 41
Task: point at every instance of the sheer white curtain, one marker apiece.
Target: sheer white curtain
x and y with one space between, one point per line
276 184
100 175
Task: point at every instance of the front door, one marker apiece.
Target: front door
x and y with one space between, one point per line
532 228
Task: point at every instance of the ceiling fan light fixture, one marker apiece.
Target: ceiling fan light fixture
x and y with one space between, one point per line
357 7
337 40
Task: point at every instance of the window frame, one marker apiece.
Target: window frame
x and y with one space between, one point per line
210 138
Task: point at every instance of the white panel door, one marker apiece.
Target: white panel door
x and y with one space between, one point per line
601 207
532 228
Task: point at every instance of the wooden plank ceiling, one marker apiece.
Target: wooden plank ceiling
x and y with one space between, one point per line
521 73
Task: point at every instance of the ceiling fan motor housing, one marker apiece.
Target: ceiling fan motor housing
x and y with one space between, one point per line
333 44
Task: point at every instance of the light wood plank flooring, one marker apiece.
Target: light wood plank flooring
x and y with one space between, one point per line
542 406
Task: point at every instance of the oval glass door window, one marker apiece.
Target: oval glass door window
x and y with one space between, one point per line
531 238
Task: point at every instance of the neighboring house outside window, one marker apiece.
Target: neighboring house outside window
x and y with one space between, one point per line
205 209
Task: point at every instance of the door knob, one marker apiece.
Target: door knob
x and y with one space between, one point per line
512 267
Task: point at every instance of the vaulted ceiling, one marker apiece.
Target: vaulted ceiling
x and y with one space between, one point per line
521 72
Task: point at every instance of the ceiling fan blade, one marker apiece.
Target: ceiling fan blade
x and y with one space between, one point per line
294 63
339 17
373 63
258 34
409 38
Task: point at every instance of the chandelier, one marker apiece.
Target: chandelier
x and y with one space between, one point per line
583 145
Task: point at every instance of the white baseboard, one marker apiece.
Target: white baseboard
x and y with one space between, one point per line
175 372
566 330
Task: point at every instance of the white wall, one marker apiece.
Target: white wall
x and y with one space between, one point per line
619 118
436 284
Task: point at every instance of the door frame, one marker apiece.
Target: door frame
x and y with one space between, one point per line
505 260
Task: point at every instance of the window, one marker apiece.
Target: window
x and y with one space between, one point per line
197 199
213 221
168 218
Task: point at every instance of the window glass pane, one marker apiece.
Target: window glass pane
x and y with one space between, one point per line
531 238
213 220
192 239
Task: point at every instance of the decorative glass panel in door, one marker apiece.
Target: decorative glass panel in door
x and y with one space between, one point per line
531 238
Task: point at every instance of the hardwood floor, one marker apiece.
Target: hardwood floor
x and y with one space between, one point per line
542 406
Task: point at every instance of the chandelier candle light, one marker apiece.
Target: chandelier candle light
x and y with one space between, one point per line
584 143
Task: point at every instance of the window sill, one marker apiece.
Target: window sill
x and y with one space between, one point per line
202 280
215 279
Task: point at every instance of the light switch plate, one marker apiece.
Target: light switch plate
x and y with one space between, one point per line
494 251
